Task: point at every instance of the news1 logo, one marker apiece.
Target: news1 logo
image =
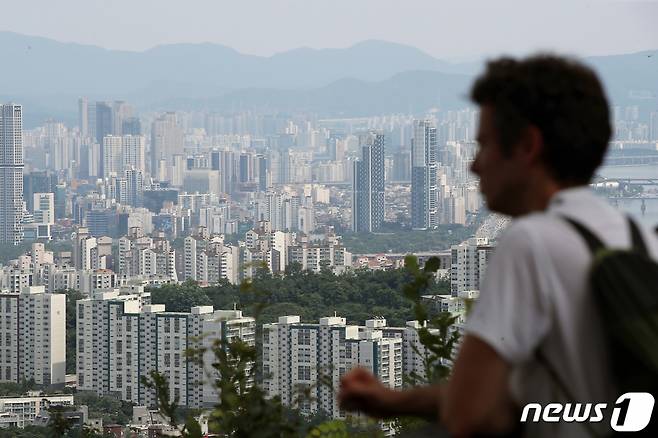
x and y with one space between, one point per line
630 413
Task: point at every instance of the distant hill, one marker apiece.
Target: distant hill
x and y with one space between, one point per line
42 65
371 77
408 92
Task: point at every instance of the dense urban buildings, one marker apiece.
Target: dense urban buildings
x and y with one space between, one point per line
127 202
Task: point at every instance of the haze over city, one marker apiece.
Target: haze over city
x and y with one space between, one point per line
445 29
293 182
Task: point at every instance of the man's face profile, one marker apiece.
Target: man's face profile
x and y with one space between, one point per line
501 175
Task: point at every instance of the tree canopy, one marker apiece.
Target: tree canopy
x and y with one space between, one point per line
357 295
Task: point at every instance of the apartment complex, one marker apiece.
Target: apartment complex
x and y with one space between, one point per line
33 336
313 357
208 260
122 338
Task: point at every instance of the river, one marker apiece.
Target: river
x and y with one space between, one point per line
634 206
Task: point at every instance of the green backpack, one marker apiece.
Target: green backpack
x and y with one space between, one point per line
625 287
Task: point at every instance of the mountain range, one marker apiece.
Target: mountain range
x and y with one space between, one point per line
371 77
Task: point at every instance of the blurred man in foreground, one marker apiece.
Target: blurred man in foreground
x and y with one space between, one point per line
544 130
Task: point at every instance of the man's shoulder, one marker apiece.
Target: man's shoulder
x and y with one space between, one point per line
528 230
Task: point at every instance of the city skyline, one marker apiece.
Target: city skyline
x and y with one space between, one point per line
154 186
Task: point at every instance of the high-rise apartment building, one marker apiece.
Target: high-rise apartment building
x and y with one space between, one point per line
83 116
104 127
311 358
11 173
122 338
121 153
368 185
129 189
133 152
112 163
33 336
166 140
468 263
424 177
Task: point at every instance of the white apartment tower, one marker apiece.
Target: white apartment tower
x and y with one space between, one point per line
298 355
11 173
112 159
33 336
468 263
133 152
122 338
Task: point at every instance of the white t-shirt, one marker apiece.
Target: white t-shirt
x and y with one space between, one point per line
535 294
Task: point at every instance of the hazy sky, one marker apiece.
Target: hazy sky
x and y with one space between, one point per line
445 29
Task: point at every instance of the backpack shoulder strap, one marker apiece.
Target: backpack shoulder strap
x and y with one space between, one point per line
593 242
636 238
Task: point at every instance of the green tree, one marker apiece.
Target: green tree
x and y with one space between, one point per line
109 408
10 389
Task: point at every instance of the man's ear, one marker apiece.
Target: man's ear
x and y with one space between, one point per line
531 145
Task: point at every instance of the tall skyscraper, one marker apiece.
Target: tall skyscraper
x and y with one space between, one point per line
133 152
368 185
262 172
104 121
166 140
112 159
83 116
11 173
91 121
424 177
104 127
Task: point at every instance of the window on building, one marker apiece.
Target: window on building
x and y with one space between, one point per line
304 372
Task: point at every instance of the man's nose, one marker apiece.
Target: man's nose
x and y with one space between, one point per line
475 165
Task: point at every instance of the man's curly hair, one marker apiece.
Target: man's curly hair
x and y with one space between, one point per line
562 97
